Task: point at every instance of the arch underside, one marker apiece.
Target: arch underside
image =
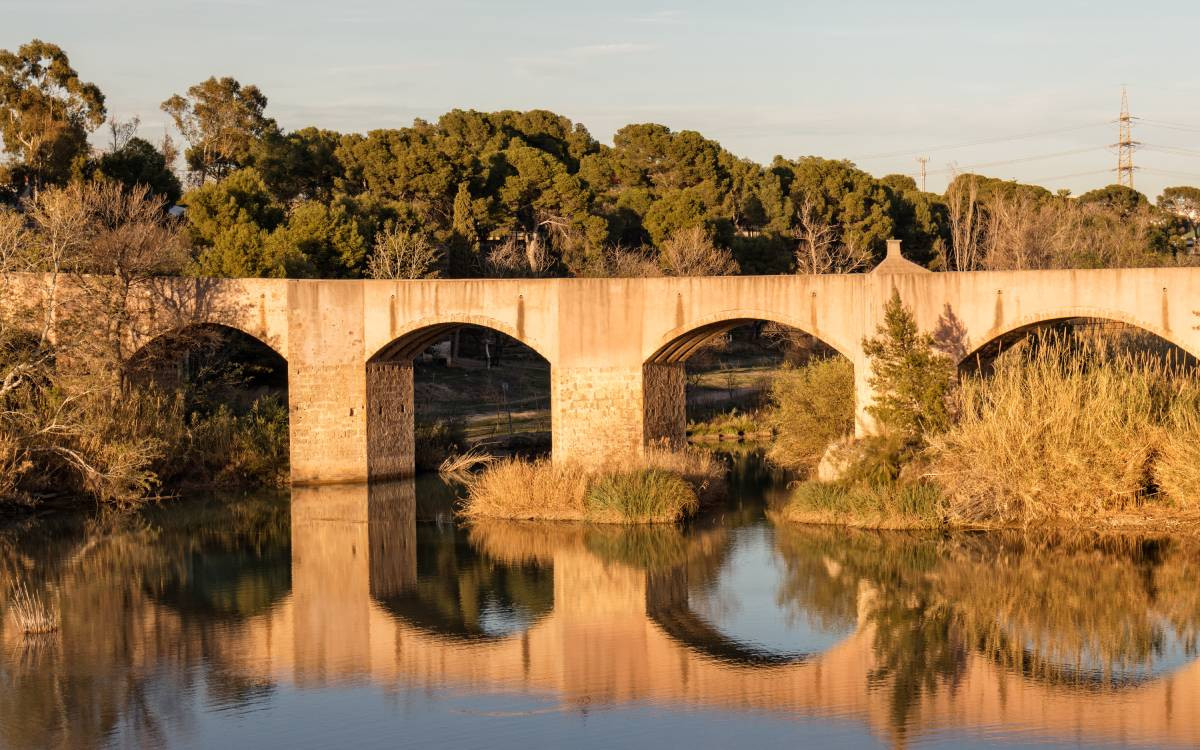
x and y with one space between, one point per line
684 345
409 346
221 328
687 344
999 343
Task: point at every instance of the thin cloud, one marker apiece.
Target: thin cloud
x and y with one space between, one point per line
612 48
662 18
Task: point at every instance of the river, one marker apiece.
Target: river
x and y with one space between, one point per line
356 617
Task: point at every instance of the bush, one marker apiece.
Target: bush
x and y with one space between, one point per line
436 441
640 496
814 406
244 450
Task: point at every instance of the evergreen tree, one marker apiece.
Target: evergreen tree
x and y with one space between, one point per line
911 379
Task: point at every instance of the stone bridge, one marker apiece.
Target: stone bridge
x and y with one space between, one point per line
617 347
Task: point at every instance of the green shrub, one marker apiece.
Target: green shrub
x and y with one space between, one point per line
912 381
813 407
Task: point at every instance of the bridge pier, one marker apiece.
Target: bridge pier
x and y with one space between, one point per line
603 413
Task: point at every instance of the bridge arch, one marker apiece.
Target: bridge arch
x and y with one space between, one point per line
391 408
681 342
201 329
664 374
415 336
997 339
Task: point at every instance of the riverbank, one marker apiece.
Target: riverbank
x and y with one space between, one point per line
1151 517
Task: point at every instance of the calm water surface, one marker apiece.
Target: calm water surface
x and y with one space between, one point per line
341 617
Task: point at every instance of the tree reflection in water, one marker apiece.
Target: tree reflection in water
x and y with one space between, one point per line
459 592
1081 611
119 665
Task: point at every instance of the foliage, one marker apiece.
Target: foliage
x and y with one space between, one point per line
46 113
1119 198
404 255
221 121
138 162
436 441
911 380
813 407
77 414
690 252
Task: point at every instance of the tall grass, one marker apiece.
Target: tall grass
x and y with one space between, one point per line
1177 466
1062 431
661 485
30 613
640 496
866 505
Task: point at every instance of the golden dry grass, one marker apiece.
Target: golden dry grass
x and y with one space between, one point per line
1177 465
1056 434
30 613
636 490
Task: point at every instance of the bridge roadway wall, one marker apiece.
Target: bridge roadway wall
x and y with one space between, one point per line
616 347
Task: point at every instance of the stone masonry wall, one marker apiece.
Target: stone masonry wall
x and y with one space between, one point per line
326 423
664 404
390 431
596 413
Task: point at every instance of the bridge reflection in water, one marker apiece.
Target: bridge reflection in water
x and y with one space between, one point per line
1088 640
974 634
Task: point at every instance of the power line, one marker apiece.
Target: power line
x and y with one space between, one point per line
1172 126
1020 160
1068 176
1172 172
1174 150
981 142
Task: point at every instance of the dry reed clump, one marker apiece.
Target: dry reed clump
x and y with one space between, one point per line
1057 433
1177 465
459 466
30 612
662 485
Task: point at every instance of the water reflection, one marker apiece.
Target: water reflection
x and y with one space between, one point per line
177 616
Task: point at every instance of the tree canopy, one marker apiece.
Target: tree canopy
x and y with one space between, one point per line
46 113
535 193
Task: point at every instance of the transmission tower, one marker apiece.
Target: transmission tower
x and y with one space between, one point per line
1125 143
923 161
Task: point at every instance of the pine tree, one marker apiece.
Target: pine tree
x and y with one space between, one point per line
911 380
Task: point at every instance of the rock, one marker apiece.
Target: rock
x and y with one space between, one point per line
838 458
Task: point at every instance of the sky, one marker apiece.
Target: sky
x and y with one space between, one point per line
1019 90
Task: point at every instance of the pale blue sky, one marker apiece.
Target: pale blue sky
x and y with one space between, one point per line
836 79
